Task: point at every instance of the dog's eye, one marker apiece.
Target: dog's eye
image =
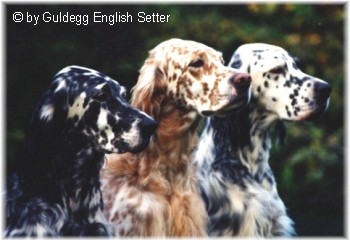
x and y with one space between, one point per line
100 96
197 63
277 70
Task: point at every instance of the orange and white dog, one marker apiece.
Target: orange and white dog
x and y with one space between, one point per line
155 192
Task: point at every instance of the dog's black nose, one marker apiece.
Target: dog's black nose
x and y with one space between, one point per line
241 81
322 90
149 126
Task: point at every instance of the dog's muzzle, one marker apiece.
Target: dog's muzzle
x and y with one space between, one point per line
322 91
241 81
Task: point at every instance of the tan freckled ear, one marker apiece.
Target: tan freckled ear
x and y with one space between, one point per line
151 87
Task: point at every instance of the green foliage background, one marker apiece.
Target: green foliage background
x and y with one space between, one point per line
309 167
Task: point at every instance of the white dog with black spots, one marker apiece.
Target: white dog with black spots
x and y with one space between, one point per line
236 181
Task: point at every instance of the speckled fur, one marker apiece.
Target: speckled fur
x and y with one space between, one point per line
236 181
155 193
56 189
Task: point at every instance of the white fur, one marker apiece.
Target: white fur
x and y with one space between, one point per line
46 113
77 108
132 138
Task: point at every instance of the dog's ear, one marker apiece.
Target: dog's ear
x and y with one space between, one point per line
51 112
150 89
54 104
44 135
235 61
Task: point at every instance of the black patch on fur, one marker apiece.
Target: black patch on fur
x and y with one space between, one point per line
226 221
266 84
232 169
287 84
235 128
91 115
237 63
259 89
296 92
296 80
215 203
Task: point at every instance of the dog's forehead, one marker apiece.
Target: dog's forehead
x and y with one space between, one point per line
84 77
263 51
178 49
262 55
189 52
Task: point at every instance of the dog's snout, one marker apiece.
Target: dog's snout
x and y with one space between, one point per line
323 90
241 81
149 126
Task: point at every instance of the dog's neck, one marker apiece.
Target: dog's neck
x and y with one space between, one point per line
82 185
175 138
169 154
243 137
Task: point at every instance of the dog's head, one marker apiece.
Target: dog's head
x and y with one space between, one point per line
279 85
84 102
193 76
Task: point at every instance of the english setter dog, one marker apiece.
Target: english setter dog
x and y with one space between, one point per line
56 191
236 181
155 193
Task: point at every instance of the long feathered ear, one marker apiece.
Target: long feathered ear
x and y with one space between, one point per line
55 104
44 137
150 89
51 111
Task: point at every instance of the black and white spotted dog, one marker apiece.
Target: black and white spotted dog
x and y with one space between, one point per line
56 191
236 180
